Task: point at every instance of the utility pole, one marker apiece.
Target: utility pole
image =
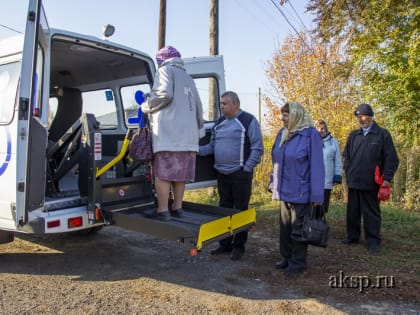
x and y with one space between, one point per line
214 27
162 24
214 50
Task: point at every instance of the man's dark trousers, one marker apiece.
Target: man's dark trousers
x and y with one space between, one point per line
364 203
234 192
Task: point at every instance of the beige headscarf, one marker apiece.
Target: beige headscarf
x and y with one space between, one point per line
299 119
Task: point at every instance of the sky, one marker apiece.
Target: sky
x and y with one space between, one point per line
250 31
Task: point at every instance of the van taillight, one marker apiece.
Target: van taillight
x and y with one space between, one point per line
53 224
75 222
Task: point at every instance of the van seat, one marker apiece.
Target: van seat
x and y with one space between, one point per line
69 110
63 138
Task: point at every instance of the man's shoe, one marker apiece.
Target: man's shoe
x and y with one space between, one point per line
282 264
373 249
347 241
177 213
237 253
220 250
161 216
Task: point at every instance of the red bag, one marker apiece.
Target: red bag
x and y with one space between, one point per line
378 178
384 192
140 148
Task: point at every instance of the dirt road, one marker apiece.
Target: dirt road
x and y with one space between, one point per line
121 272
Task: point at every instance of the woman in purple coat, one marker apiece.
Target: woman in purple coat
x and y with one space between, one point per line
297 181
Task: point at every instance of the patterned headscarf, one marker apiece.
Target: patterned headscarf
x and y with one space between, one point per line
299 119
166 53
321 122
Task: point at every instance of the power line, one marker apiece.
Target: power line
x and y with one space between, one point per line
298 16
291 25
293 19
269 15
11 29
255 17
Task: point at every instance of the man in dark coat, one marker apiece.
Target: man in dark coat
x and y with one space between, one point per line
366 148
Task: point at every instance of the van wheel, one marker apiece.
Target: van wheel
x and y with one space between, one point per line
6 237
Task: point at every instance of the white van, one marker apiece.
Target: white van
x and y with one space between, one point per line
66 101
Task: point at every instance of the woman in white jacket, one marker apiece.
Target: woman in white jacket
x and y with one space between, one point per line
332 160
176 116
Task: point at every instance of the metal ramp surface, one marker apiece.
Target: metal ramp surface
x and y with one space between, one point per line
201 224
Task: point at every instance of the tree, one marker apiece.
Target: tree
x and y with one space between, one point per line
316 75
382 38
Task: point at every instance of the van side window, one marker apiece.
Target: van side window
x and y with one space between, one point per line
52 107
36 102
9 76
209 91
101 103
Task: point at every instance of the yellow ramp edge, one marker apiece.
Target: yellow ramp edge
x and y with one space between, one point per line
243 218
225 225
213 229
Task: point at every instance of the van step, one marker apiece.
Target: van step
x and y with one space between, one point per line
65 204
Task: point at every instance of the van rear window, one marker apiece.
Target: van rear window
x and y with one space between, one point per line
101 103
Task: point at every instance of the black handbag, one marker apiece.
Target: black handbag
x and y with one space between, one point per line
315 228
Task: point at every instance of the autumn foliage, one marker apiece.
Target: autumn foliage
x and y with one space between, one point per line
359 52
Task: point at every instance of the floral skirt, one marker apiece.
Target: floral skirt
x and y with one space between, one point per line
175 166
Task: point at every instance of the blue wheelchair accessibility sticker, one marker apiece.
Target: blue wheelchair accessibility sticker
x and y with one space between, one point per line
109 96
5 163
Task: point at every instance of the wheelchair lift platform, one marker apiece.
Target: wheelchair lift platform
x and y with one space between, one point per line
200 225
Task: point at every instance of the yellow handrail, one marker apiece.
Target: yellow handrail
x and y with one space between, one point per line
115 160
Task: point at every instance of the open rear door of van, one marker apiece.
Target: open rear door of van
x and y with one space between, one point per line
32 135
209 76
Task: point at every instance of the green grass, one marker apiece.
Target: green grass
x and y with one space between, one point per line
394 220
399 255
206 196
400 228
209 196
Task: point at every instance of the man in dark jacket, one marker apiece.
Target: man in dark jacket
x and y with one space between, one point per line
366 148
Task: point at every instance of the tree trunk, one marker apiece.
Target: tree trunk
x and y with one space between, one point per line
411 196
411 167
397 185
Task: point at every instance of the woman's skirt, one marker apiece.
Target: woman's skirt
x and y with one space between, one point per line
175 166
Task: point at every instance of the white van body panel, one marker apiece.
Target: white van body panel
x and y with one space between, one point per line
10 53
22 206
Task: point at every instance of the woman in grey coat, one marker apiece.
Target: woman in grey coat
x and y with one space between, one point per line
176 116
332 160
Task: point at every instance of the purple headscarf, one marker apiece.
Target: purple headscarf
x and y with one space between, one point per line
166 53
